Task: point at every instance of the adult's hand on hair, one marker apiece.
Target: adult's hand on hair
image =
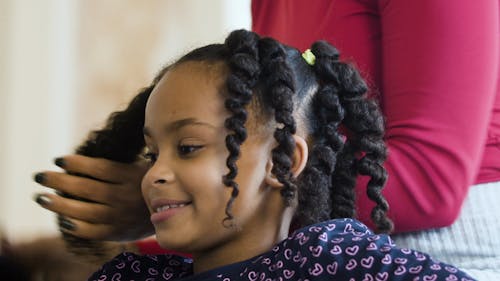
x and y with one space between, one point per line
112 207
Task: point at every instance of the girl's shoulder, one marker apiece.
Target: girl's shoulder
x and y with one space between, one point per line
346 248
129 266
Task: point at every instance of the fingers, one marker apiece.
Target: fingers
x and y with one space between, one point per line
98 168
95 221
104 191
86 230
90 212
86 188
105 232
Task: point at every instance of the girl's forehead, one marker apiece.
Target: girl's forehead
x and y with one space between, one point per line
188 90
197 90
204 70
192 78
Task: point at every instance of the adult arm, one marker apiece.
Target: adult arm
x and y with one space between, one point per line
438 68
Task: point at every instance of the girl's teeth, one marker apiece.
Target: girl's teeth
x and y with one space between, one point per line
166 207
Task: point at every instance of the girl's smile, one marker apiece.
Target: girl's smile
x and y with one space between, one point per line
163 209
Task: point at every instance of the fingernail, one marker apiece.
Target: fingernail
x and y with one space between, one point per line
39 177
42 199
66 224
60 162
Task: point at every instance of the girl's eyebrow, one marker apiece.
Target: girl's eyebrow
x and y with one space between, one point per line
178 124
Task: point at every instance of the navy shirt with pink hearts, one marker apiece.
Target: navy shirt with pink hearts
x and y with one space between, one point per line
339 249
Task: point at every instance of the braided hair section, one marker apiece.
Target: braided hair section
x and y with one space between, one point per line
342 194
316 180
244 73
279 91
364 150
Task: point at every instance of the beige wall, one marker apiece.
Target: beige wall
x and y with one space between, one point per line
66 64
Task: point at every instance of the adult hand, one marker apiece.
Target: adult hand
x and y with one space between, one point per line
112 207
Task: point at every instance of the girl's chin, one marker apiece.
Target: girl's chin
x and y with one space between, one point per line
173 241
170 246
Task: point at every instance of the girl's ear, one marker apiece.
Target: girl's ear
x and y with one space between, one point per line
299 159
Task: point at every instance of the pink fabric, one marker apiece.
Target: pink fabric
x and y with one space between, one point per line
150 246
434 67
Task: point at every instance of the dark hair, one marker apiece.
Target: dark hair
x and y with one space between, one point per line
120 140
326 102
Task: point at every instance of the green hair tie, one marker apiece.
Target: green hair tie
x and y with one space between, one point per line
309 57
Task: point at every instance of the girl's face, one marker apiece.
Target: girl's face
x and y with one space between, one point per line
185 134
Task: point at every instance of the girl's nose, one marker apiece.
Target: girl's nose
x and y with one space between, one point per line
160 174
162 177
160 181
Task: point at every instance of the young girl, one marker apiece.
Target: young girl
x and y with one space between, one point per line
248 141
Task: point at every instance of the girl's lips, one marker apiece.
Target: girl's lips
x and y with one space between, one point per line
164 212
162 202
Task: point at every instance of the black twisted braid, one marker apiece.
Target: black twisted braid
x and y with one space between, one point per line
120 140
280 89
364 150
316 195
343 177
243 76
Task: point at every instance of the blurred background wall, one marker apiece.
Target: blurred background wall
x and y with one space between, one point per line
66 64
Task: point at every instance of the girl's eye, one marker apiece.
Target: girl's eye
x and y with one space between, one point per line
150 157
185 150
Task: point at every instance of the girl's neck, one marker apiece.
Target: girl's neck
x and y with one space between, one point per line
249 245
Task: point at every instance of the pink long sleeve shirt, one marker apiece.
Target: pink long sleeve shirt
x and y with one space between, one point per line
434 66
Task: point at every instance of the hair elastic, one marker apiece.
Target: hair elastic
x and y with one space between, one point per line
309 57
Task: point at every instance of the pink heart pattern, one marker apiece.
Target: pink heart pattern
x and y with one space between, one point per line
340 249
